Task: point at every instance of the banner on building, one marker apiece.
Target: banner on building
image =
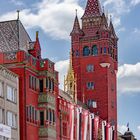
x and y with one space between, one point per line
71 122
110 132
103 130
96 127
5 131
91 117
79 111
85 124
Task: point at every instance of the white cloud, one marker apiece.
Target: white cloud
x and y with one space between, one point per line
135 2
136 31
122 128
118 6
129 78
62 68
55 17
138 128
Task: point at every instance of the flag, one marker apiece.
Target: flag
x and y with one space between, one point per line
96 127
108 132
103 129
71 122
113 132
91 117
79 111
85 125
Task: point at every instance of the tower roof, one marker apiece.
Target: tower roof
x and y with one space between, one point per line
76 26
13 36
93 8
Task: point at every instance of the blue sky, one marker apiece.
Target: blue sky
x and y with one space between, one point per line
54 20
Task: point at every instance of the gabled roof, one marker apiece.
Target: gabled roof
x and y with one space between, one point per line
13 36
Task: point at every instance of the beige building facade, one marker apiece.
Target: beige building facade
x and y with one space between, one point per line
9 105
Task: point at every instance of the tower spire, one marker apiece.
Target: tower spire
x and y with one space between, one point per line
76 26
70 81
93 8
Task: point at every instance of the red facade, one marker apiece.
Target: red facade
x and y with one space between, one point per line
94 60
44 113
38 91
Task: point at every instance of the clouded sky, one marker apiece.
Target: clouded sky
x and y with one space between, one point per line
54 20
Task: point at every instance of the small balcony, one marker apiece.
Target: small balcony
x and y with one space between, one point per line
49 131
46 98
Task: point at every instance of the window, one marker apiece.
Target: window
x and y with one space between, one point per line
77 53
36 118
50 115
92 103
11 119
27 112
90 85
47 82
1 89
90 68
32 113
11 94
32 82
1 115
50 84
86 51
47 118
105 51
53 116
116 58
41 85
101 50
42 118
94 50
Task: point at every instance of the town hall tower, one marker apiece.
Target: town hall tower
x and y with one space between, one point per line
95 62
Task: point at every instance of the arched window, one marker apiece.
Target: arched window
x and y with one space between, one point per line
86 51
94 50
105 51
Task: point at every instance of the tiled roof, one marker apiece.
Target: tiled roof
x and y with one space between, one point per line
13 36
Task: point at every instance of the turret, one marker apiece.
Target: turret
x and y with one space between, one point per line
35 50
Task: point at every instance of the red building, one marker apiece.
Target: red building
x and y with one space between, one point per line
38 81
95 63
88 106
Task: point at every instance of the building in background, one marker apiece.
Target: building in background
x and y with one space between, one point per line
128 135
9 105
95 62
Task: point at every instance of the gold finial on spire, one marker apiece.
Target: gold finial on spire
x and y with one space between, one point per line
76 11
103 9
18 11
37 32
110 18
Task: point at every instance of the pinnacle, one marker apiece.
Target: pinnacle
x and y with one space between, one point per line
76 26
